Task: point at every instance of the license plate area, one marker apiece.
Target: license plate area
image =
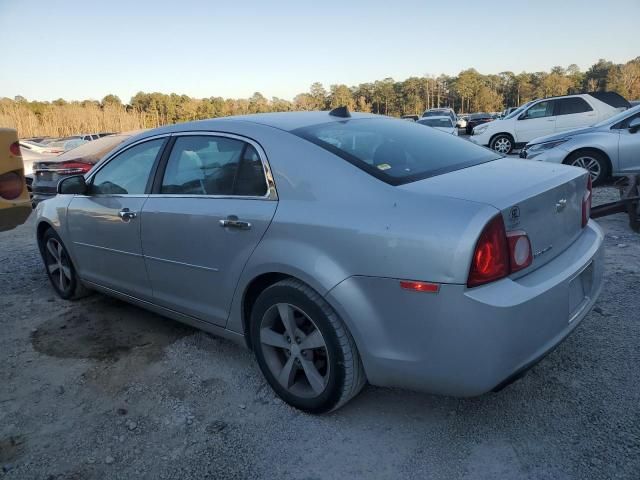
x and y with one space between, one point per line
580 291
44 176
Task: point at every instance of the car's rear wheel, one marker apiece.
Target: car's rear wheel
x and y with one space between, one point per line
502 144
60 269
303 349
593 162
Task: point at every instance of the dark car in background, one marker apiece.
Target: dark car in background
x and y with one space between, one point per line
476 119
47 174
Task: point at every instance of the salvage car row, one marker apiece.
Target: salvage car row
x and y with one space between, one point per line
294 204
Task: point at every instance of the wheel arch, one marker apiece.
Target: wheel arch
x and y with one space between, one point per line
251 293
591 149
513 140
41 228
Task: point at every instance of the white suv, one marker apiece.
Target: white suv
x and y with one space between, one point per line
546 117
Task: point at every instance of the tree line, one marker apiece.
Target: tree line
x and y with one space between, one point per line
469 91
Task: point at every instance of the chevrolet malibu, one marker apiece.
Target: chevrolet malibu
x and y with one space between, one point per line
340 248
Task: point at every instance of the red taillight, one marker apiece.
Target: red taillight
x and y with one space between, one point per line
420 286
14 148
491 257
11 185
519 250
586 202
71 167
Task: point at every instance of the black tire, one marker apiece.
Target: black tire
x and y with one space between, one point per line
344 371
71 287
502 143
584 158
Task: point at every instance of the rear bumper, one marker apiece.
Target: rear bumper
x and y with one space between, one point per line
462 341
13 214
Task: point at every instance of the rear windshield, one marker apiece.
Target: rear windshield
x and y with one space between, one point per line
437 122
395 151
435 113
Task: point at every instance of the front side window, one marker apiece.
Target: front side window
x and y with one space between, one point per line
128 172
569 106
395 151
540 110
209 165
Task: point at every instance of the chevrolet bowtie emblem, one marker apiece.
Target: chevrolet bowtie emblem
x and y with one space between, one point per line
560 206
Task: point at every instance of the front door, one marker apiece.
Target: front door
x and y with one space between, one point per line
629 147
104 225
538 120
207 213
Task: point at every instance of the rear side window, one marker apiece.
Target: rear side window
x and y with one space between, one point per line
395 151
209 165
568 106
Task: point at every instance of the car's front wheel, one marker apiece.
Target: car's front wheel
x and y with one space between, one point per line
593 162
303 349
502 144
59 266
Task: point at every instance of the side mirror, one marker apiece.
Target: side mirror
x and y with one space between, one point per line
634 126
74 185
522 116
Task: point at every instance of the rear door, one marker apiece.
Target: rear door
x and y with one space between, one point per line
538 120
629 147
104 225
210 207
573 112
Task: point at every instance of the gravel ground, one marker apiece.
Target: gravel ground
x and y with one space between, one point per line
100 389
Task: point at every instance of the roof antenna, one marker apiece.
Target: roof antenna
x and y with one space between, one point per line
342 112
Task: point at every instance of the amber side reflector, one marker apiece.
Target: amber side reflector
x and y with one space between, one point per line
420 286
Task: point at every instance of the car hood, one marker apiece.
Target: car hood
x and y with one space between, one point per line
561 135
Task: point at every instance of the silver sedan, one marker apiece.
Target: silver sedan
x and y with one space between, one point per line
341 248
611 147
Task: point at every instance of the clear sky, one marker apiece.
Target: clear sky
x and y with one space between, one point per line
86 49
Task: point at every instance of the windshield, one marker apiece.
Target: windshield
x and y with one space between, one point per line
395 151
517 111
618 117
437 122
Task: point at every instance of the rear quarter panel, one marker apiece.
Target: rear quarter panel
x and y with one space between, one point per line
334 221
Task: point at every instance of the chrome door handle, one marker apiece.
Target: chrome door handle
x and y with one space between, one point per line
126 215
232 222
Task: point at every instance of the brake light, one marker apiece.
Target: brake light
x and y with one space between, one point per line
11 185
498 253
519 250
71 167
14 148
586 202
490 260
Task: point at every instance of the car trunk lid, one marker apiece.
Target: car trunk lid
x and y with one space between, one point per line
542 199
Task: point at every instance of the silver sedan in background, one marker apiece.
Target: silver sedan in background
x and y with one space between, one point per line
340 248
611 147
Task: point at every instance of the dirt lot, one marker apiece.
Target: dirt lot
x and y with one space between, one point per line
100 389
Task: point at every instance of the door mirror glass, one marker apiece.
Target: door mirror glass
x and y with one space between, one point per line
74 185
634 126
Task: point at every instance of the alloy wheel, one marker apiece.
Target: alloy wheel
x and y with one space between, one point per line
58 264
294 350
590 164
502 145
